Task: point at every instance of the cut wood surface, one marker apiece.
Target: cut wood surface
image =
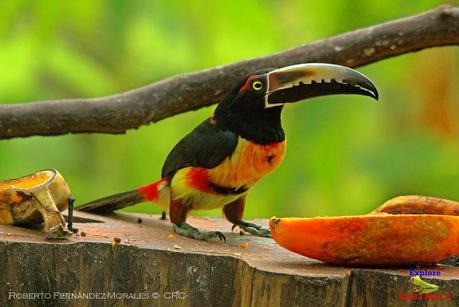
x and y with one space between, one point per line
154 263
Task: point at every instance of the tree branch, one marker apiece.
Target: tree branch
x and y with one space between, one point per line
118 113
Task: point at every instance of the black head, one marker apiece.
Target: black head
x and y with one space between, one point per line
253 107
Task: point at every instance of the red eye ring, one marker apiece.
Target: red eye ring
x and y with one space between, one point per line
252 84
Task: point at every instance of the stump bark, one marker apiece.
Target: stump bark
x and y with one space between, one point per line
153 266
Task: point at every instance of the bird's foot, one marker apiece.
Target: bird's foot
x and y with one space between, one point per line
254 229
189 231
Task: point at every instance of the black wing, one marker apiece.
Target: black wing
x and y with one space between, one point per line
206 146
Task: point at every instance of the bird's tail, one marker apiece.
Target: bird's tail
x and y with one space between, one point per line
157 192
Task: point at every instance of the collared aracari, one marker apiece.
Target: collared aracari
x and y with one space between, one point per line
216 164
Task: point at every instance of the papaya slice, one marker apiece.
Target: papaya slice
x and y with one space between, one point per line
36 198
380 238
414 204
371 239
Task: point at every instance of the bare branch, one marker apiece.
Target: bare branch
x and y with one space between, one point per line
118 113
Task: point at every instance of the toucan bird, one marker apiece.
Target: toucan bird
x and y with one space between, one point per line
217 163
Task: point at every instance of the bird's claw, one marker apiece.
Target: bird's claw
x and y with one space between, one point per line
192 232
221 236
254 229
261 232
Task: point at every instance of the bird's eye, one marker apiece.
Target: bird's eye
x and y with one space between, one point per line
257 85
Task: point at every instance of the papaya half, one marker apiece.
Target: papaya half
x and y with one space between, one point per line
379 238
33 199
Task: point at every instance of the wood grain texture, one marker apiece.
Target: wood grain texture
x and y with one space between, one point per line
151 259
129 110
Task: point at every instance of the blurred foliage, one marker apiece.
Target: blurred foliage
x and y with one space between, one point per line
346 155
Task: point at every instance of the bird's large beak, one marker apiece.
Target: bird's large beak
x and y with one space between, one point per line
297 82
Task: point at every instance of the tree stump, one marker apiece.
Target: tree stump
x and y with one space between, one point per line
153 266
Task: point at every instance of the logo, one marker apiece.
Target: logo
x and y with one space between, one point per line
422 286
424 291
423 273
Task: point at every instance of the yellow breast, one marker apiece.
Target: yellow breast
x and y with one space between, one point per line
249 163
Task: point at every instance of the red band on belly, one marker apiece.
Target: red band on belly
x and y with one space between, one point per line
198 178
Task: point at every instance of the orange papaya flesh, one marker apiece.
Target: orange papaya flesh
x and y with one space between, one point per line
27 182
35 198
382 239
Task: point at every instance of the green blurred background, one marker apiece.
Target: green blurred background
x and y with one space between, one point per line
346 154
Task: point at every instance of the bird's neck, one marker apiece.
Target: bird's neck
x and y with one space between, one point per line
261 128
